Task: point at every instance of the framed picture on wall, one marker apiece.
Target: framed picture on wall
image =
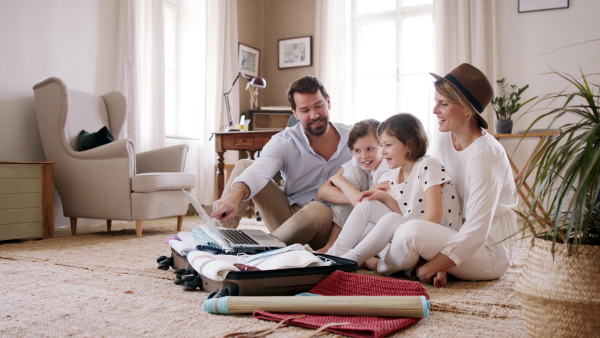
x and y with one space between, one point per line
248 60
295 52
541 5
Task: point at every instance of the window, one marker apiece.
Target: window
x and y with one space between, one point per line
393 49
185 59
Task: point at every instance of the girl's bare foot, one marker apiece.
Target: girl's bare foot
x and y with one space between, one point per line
420 275
371 263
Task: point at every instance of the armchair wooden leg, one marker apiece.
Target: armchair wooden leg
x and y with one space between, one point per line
138 229
179 223
73 226
108 224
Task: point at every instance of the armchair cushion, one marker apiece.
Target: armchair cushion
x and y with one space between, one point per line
168 159
87 140
151 182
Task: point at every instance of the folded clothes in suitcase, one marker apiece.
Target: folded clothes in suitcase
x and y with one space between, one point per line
279 282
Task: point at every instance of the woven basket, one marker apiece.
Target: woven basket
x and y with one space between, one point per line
560 293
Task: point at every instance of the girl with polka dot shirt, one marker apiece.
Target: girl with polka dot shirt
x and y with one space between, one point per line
421 189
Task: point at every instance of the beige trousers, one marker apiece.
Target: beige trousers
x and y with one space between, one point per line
291 224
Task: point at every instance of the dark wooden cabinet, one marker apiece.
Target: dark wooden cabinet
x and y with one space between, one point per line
268 119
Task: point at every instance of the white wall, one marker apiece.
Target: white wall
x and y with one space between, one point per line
532 43
75 40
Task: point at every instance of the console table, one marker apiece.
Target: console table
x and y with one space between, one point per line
249 141
26 200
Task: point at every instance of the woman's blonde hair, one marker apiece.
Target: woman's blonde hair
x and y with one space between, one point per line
453 94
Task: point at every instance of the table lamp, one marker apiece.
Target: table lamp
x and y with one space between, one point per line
256 81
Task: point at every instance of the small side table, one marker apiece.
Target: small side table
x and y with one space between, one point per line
26 200
249 141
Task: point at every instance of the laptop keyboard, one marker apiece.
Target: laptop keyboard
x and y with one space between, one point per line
237 237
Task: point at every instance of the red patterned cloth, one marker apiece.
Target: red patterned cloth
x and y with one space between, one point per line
342 283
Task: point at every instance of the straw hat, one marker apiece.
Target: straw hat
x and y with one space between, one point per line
474 85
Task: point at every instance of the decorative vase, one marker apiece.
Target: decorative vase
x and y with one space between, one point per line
560 292
504 126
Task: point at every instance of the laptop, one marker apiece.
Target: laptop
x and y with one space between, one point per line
240 240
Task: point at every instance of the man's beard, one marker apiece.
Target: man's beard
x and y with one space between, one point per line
317 131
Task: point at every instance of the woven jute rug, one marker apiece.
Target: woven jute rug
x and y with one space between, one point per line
100 284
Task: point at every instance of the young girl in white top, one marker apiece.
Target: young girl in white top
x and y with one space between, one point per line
364 171
420 189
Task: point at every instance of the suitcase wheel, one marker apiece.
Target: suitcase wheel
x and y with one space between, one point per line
165 263
193 284
219 294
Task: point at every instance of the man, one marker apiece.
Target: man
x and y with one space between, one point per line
306 154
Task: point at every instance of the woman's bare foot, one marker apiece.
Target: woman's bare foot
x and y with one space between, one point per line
440 279
371 263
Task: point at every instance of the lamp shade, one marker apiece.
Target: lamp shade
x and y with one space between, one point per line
257 82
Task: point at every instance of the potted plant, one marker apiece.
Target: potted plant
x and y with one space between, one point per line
506 104
559 287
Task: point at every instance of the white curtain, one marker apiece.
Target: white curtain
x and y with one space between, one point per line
333 55
465 31
127 76
207 39
221 68
141 71
207 62
150 84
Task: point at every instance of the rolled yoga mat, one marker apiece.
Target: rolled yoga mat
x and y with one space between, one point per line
388 306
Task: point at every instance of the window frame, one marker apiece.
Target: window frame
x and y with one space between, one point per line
397 15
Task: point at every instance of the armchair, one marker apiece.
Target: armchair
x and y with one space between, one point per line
111 181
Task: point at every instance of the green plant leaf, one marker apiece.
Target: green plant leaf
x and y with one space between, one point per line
567 179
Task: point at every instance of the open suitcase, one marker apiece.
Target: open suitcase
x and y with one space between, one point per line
283 282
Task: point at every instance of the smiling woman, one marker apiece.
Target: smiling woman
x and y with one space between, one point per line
479 167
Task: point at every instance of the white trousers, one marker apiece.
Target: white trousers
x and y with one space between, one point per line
358 225
417 238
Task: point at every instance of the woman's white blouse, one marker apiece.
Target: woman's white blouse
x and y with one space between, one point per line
484 181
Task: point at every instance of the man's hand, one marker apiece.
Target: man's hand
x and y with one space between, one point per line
226 208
